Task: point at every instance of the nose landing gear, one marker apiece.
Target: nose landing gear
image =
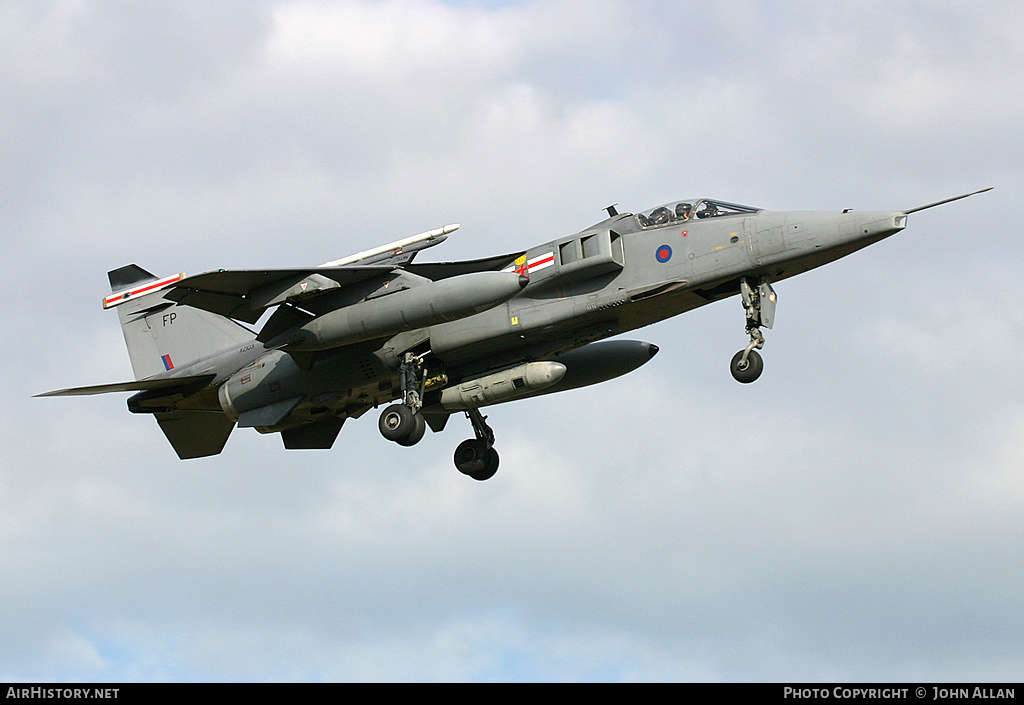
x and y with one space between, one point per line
759 304
746 365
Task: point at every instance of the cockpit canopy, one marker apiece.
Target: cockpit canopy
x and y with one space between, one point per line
679 211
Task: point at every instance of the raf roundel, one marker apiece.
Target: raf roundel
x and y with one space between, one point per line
663 254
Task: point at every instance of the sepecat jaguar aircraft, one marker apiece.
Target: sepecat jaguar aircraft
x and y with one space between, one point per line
337 340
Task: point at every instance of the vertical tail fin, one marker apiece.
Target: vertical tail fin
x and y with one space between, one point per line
162 336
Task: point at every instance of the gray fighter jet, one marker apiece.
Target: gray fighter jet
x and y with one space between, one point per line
337 340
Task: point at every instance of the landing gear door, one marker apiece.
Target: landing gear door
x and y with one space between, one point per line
767 296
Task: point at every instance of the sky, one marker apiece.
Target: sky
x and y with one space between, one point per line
854 515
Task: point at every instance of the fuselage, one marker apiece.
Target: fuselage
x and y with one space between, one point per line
618 275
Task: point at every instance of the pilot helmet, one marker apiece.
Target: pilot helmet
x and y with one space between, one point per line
661 215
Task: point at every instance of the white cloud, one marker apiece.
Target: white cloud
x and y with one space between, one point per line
395 41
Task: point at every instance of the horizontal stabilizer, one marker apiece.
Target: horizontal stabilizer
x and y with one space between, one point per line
140 385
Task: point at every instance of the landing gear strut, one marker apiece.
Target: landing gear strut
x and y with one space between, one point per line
759 304
476 457
403 423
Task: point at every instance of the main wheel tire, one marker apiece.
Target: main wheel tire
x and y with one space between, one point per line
417 432
749 371
471 457
490 466
397 422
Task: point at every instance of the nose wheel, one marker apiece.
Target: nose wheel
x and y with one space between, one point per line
759 305
746 370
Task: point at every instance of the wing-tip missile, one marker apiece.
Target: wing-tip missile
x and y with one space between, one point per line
430 238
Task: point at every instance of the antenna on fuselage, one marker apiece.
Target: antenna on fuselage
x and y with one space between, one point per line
611 210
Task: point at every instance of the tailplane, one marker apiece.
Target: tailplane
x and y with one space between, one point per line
164 339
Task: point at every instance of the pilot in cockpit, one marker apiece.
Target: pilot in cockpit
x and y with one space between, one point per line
708 210
661 215
683 211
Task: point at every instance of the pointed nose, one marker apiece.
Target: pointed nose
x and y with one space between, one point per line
871 227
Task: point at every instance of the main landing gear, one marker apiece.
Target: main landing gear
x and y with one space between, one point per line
476 457
399 423
759 304
404 424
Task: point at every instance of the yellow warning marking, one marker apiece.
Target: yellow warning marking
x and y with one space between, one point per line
722 247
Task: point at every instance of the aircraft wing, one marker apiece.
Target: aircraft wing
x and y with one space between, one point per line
442 270
245 294
139 385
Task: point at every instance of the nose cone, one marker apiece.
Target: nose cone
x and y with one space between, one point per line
867 228
798 241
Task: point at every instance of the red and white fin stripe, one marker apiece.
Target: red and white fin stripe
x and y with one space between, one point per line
140 290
